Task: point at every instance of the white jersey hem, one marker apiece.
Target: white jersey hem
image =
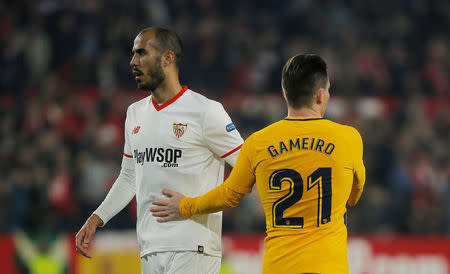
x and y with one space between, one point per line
179 249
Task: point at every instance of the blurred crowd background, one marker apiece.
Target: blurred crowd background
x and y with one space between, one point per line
65 84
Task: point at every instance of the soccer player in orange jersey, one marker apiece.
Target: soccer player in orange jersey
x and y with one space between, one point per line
306 169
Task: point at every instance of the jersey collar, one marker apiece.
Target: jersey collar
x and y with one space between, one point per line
173 99
290 118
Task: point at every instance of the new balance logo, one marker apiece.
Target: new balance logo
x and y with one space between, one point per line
136 130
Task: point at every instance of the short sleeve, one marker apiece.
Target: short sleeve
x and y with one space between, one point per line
127 160
220 134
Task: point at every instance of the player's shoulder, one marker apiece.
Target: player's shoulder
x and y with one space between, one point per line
270 128
345 129
200 101
139 104
346 132
205 106
266 132
350 131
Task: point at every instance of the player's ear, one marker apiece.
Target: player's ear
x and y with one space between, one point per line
168 58
320 96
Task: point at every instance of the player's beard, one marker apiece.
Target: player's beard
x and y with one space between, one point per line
156 76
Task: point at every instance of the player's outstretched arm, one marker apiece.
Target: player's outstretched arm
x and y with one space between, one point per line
179 207
86 234
227 195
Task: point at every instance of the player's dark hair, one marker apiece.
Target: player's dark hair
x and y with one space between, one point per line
302 76
168 40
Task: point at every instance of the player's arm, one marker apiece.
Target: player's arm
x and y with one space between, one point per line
120 194
218 199
359 171
179 207
229 194
124 188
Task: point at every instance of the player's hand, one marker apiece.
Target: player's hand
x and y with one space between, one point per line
168 210
86 234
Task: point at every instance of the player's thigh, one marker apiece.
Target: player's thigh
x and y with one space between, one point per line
190 262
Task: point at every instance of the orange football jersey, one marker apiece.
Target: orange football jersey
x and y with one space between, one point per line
306 171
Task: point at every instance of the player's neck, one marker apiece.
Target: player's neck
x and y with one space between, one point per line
304 112
166 91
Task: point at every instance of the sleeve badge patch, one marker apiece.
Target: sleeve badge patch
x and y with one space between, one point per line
230 127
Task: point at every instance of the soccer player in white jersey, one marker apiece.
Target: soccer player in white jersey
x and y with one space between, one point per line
176 139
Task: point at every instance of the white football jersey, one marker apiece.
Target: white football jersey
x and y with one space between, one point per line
180 145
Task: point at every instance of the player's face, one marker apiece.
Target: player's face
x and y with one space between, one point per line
146 62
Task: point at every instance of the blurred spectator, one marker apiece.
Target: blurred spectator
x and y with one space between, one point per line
43 253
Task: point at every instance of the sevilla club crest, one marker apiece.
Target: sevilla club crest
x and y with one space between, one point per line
179 129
